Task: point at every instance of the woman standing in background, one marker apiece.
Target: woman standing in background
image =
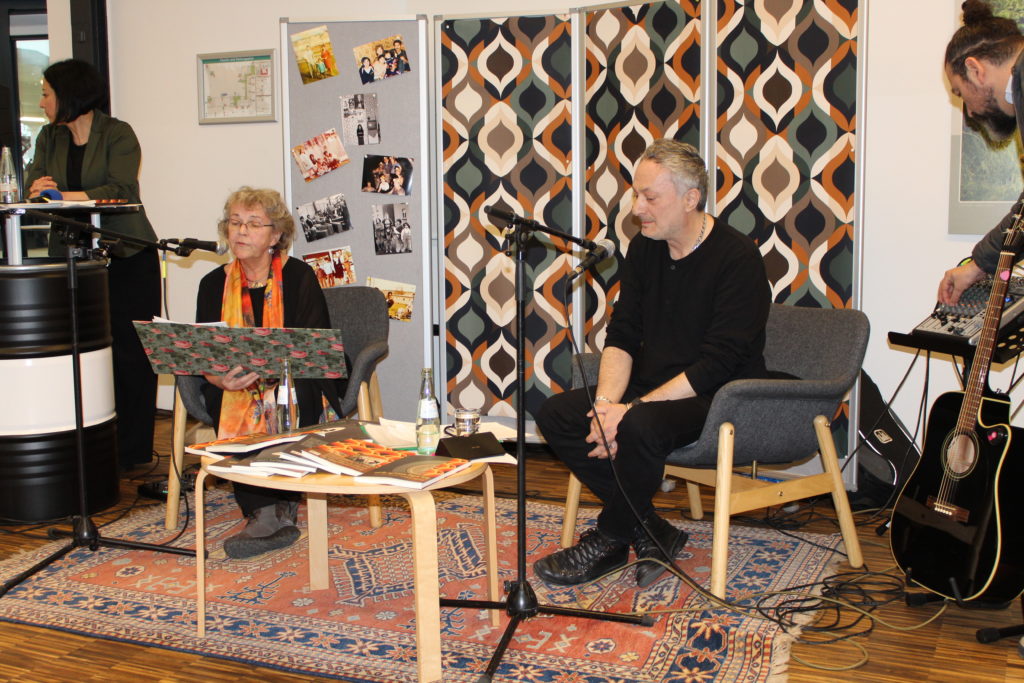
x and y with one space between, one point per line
86 154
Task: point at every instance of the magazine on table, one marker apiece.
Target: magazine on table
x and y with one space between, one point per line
270 461
365 460
340 429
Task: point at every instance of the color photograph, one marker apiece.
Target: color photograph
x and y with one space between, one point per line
399 295
387 174
320 155
314 55
382 59
333 268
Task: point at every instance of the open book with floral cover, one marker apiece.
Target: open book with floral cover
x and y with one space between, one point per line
376 463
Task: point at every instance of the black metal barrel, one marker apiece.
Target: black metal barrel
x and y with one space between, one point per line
38 455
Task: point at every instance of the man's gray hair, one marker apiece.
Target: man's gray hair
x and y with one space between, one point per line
684 163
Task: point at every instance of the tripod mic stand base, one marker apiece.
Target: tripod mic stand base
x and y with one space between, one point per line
85 535
522 604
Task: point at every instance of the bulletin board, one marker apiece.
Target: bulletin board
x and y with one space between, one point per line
357 174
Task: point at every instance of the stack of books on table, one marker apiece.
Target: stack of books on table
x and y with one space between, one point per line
369 462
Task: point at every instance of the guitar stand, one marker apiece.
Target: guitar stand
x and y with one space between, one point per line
984 635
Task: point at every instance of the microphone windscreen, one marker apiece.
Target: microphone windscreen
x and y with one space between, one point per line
53 195
606 246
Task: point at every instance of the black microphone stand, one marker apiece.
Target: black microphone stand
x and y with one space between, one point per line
522 602
83 532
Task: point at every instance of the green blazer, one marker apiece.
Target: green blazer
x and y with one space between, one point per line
110 170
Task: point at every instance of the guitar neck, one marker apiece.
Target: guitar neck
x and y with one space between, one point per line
978 378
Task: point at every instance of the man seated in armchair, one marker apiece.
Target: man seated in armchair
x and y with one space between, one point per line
691 315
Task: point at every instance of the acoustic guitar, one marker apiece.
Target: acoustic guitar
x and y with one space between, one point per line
957 525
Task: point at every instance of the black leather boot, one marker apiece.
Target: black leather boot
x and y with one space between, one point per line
670 538
594 555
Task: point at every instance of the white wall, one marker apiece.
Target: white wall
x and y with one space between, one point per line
188 169
907 127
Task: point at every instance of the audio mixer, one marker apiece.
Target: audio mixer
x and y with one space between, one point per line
965 319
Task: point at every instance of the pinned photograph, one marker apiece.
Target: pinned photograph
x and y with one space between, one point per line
314 54
323 217
387 175
399 295
333 268
359 122
392 233
320 155
382 59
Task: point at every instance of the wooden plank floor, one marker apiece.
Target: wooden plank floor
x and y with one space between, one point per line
944 651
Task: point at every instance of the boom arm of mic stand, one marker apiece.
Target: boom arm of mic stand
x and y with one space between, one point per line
82 227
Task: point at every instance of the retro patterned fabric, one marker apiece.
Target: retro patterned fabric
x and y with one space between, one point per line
785 133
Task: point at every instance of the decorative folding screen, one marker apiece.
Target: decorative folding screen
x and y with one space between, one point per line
507 142
643 83
784 129
786 103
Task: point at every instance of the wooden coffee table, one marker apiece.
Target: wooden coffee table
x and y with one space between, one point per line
424 543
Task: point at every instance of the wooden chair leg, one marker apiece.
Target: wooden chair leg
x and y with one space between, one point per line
177 461
723 500
830 463
696 507
376 405
363 408
572 508
365 411
200 555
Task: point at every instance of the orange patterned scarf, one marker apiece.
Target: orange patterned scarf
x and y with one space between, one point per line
250 410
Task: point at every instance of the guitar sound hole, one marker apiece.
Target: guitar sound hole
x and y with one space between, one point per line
961 454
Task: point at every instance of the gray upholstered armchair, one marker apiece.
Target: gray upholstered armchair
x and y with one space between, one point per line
772 421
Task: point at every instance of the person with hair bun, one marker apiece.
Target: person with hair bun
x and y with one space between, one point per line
86 154
261 287
984 65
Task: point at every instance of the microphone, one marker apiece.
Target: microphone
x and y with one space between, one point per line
515 219
507 216
602 249
189 244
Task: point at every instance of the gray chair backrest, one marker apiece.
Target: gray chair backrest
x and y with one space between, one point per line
773 418
192 397
360 313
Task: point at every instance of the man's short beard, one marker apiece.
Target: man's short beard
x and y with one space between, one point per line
998 126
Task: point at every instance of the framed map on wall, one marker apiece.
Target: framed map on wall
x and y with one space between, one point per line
236 87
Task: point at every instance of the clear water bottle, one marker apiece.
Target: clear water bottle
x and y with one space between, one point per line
9 193
287 403
428 417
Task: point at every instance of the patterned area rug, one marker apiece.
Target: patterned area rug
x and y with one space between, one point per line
261 611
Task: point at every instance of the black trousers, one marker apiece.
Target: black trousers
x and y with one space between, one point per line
647 434
251 498
134 294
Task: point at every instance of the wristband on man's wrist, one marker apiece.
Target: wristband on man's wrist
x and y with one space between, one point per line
634 403
603 398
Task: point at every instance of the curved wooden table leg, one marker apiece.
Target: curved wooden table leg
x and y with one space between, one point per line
425 585
200 554
491 545
316 521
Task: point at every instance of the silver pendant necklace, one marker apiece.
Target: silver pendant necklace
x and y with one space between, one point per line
700 237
